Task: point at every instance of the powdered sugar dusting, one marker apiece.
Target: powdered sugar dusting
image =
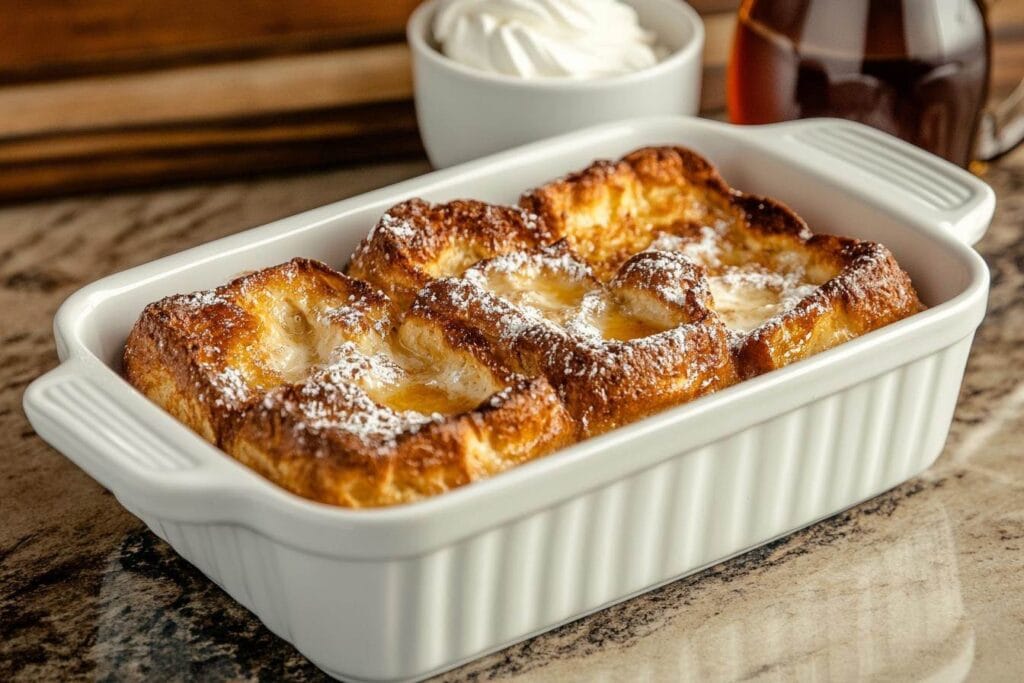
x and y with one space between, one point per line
199 300
230 387
325 404
554 259
747 297
705 249
349 364
395 226
690 281
744 295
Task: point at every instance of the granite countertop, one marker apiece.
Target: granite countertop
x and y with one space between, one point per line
926 580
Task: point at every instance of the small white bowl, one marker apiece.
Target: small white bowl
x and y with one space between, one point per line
465 113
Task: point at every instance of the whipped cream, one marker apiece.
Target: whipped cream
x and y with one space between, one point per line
578 39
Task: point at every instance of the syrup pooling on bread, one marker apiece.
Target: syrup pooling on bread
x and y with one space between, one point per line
615 351
553 285
748 286
548 283
321 331
783 292
319 382
442 371
747 297
624 208
316 334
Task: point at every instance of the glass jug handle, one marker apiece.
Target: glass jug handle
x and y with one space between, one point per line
1001 128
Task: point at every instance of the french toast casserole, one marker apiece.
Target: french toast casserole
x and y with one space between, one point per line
465 338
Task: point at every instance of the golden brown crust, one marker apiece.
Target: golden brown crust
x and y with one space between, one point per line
467 338
615 352
611 210
869 292
672 198
415 242
307 376
334 465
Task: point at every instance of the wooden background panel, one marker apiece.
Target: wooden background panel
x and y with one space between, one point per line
52 39
48 39
1007 21
235 87
146 155
250 88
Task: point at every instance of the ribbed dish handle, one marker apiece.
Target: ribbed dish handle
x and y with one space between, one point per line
88 413
887 169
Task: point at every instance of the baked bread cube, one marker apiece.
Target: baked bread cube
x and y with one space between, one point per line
309 377
784 292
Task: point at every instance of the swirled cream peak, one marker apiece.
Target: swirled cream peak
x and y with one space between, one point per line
577 39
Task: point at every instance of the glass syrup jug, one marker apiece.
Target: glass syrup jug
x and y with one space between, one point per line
918 69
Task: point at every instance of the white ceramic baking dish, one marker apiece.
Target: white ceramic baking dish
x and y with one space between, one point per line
407 591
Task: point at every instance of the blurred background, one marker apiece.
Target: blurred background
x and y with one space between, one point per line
102 94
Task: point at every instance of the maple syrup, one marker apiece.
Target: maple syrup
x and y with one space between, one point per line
917 69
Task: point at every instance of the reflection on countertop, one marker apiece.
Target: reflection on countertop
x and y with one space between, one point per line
800 611
923 582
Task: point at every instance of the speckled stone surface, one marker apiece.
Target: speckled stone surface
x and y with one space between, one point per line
924 581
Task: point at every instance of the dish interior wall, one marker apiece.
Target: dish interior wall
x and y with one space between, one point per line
332 232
